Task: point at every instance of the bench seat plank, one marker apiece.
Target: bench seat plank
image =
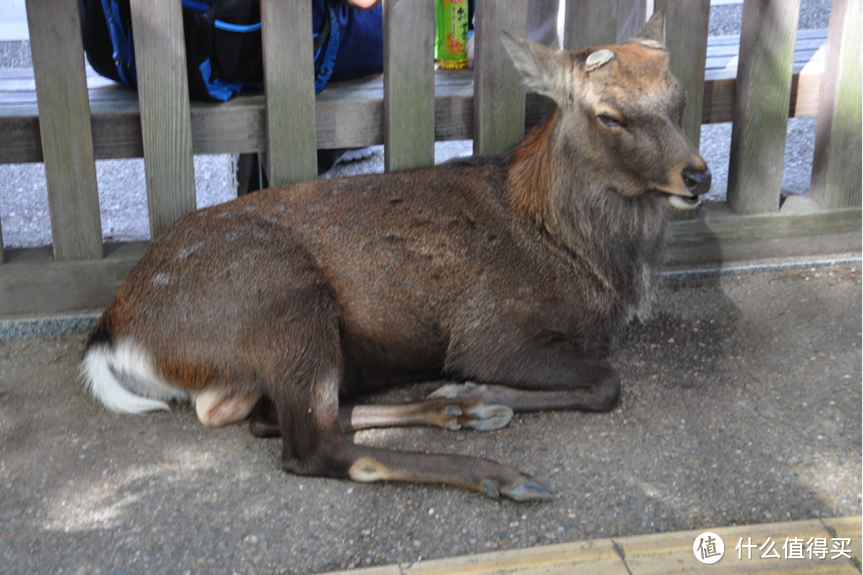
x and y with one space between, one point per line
348 114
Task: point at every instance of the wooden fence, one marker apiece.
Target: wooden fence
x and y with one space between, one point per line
57 115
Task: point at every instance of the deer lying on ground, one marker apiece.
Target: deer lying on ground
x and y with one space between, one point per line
514 270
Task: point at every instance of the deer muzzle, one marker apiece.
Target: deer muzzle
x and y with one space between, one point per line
697 182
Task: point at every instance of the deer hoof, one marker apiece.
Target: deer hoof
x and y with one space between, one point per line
448 391
452 418
529 491
468 390
485 417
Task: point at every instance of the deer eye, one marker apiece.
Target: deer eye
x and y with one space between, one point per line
611 121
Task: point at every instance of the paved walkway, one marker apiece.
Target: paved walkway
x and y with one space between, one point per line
741 406
800 547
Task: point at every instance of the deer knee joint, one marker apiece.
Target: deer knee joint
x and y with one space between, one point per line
608 394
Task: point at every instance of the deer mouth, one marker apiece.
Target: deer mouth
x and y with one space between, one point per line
679 201
683 202
695 183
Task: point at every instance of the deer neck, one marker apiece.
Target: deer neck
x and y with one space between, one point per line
531 174
569 201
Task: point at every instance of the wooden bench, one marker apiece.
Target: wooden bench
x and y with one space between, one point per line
78 118
349 114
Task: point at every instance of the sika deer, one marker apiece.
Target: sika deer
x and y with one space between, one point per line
513 270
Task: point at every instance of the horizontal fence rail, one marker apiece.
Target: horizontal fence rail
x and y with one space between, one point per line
60 115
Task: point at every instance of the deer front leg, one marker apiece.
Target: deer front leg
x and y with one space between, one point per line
452 414
531 373
600 397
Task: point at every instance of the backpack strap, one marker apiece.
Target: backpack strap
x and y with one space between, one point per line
328 59
321 37
124 55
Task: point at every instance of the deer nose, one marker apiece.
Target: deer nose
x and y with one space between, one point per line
696 181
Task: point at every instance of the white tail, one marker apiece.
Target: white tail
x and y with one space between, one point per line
103 368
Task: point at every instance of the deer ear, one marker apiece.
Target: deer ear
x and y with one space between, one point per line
536 63
653 30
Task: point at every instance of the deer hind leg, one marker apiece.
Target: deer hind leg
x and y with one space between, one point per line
303 388
314 444
495 480
327 452
263 420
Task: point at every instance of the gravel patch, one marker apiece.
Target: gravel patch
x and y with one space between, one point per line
15 55
800 144
24 211
799 149
52 326
725 19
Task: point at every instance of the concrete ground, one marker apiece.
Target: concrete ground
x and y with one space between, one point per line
741 405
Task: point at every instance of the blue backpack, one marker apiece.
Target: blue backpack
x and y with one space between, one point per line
223 43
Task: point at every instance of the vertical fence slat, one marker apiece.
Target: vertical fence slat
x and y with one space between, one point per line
163 95
290 91
408 84
589 23
498 96
762 98
64 124
685 36
686 29
836 165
